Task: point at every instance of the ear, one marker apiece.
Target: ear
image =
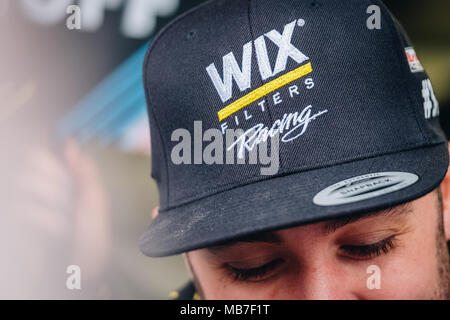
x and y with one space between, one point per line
445 189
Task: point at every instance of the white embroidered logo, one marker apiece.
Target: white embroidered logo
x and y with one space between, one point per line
288 127
242 75
430 104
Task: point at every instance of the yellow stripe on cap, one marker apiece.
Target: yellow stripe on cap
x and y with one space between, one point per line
263 90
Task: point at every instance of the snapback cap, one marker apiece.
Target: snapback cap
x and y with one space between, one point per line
354 111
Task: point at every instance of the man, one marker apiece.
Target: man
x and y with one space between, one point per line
358 206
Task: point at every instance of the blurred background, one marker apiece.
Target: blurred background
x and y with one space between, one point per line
75 168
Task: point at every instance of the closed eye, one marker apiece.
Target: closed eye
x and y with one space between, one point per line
369 251
257 273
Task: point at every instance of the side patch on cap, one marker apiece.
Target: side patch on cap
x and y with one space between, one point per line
414 63
364 187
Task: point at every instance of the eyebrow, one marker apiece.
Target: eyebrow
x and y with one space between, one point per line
329 227
264 237
401 210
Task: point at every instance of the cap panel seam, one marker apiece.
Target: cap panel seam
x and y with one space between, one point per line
260 78
251 179
156 123
147 93
294 171
253 39
400 62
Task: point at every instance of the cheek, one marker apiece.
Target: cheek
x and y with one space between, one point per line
226 289
410 272
408 279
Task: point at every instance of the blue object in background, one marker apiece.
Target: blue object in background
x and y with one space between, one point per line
114 112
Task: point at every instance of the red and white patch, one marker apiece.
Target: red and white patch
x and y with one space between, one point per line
414 63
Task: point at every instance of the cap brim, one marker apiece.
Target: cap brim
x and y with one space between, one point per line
287 201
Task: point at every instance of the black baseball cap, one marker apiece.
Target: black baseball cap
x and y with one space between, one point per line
338 81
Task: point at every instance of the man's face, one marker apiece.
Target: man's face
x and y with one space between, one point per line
330 260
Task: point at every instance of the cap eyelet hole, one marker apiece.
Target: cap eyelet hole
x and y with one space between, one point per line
191 34
314 4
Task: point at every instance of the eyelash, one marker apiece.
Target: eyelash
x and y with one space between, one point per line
370 251
254 274
364 252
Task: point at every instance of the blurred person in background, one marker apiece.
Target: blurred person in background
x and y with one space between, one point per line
62 200
72 166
